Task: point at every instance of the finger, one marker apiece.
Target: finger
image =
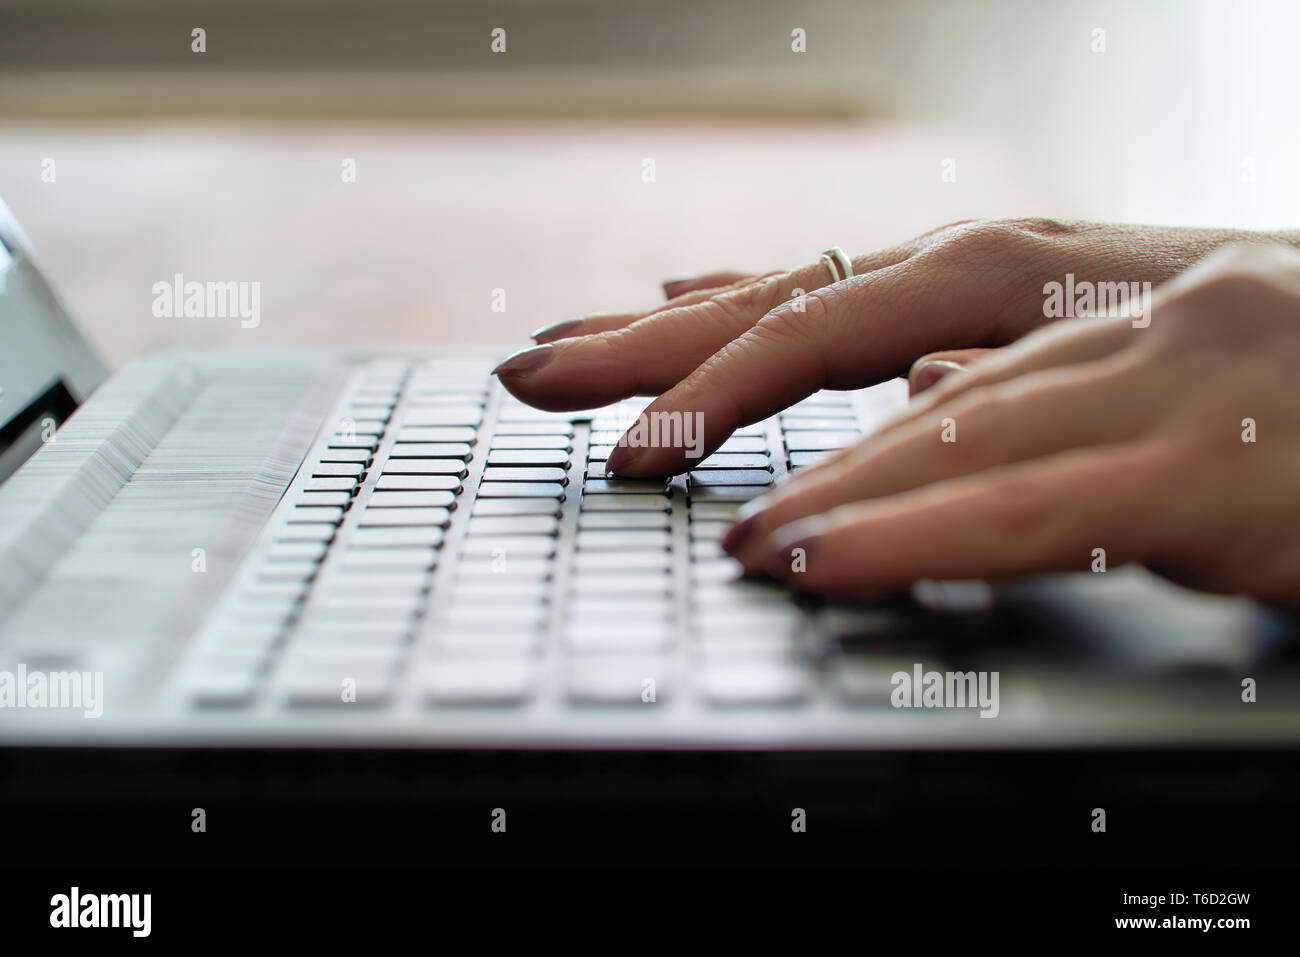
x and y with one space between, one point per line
590 325
1065 343
1104 402
855 332
648 356
1039 516
691 328
929 369
677 287
1060 344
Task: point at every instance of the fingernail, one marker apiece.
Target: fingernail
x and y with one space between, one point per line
739 534
556 330
525 361
753 506
621 458
929 374
670 285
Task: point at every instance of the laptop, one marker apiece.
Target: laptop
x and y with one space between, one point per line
375 550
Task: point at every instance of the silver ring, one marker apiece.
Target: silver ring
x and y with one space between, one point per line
838 263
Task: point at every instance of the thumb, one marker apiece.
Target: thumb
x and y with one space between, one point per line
930 368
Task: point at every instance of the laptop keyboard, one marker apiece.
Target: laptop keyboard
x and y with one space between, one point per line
447 546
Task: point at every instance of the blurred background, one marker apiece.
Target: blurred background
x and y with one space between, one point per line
607 147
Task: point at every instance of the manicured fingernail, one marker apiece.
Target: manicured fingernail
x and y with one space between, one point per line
930 373
672 287
739 534
795 547
525 361
621 458
556 330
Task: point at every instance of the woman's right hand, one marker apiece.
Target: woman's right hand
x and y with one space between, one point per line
743 351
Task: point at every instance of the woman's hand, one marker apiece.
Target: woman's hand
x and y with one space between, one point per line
742 351
1176 445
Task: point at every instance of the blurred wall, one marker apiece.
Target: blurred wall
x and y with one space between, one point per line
1180 111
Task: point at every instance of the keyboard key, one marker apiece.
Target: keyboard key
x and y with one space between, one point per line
557 427
716 570
441 415
628 637
819 441
477 641
731 477
312 514
706 549
504 568
526 474
621 486
514 525
233 685
454 433
324 469
446 471
621 610
483 618
343 685
314 499
306 532
618 561
361 456
801 423
532 442
428 536
622 519
410 443
616 680
611 503
385 517
466 681
703 530
394 499
755 681
359 441
366 581
800 460
339 484
558 457
515 411
623 539
735 460
296 551
395 558
725 493
632 585
501 589
516 506
418 483
740 443
518 546
521 490
287 571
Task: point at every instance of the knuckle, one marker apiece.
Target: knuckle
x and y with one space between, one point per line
753 299
806 319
